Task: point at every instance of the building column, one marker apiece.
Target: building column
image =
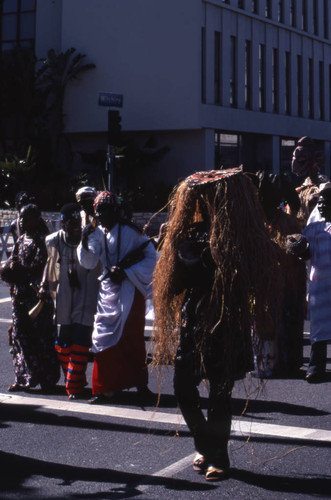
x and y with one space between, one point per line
209 153
275 154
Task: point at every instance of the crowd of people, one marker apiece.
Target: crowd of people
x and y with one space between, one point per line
79 292
228 281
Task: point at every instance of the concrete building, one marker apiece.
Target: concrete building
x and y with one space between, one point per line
218 82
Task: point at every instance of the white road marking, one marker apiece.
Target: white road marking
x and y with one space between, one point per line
5 299
170 471
2 320
239 426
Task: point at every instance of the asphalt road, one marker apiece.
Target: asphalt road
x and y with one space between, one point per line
55 449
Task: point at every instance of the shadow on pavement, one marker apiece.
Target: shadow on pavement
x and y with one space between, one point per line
16 470
319 486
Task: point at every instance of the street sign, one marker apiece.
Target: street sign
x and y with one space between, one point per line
110 100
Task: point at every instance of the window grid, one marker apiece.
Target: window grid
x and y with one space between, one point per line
17 24
304 24
248 73
315 17
275 80
287 83
321 89
311 88
293 14
261 77
217 67
203 64
326 18
299 83
280 11
233 75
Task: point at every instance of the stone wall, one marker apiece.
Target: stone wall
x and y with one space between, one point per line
52 218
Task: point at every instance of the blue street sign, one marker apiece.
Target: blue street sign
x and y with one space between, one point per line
110 100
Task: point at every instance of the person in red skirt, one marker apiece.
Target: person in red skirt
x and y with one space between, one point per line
128 259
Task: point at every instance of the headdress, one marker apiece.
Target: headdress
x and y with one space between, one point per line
86 193
107 198
22 198
205 176
70 211
30 209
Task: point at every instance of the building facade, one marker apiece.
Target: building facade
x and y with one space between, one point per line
220 83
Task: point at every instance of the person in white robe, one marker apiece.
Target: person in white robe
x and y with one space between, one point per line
128 259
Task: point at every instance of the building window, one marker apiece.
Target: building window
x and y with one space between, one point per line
287 83
217 67
261 77
233 72
299 83
227 147
255 6
304 24
326 18
268 9
315 17
275 80
248 74
293 13
321 89
203 65
280 11
310 88
17 24
241 4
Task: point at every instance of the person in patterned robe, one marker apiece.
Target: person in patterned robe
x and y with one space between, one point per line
32 339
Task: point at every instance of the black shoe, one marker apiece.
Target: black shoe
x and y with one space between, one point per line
99 399
315 377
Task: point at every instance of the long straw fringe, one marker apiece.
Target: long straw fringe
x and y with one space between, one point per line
247 279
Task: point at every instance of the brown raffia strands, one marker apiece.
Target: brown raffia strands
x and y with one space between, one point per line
246 282
306 204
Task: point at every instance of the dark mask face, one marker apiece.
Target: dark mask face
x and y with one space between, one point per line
87 205
107 215
72 229
29 223
324 205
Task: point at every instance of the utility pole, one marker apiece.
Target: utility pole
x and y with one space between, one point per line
114 132
114 129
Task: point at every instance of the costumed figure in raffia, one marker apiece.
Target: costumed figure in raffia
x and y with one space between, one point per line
215 278
283 355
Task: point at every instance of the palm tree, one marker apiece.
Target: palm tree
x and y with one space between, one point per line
32 103
52 79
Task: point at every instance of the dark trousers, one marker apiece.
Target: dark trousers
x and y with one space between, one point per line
211 434
317 360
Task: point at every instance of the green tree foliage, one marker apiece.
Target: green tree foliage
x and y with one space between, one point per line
34 150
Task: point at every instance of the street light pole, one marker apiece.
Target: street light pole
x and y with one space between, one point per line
109 165
114 129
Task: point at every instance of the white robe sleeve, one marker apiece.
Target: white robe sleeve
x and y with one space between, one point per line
91 257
